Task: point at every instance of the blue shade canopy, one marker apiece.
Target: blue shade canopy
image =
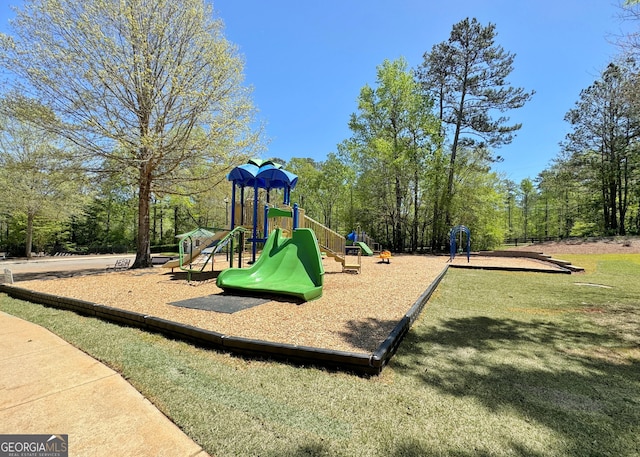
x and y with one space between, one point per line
263 175
244 175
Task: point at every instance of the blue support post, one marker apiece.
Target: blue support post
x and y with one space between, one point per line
233 205
241 243
233 221
295 216
255 222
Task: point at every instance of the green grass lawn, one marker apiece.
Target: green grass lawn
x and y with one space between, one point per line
498 364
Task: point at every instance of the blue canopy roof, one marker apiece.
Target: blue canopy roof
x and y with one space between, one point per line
266 174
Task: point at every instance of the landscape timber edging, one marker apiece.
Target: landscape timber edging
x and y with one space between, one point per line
390 345
536 255
359 363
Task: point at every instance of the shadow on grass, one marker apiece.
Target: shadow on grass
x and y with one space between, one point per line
404 448
306 450
569 378
367 334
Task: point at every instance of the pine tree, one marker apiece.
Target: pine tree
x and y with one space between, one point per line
467 77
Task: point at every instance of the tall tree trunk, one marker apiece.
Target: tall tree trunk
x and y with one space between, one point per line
605 206
623 194
525 209
143 245
108 222
414 230
613 210
29 238
155 218
567 215
161 225
397 232
454 151
436 234
436 224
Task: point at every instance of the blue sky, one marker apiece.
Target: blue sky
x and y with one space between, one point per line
308 60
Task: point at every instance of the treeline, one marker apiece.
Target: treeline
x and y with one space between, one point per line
86 168
412 170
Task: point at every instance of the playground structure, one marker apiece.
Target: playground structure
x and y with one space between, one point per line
284 231
288 265
453 234
263 177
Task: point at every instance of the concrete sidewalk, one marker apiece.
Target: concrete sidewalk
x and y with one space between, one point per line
49 387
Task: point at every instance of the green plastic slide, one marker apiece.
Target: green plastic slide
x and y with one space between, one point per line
366 249
287 266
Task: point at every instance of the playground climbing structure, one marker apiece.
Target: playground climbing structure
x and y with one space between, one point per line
252 210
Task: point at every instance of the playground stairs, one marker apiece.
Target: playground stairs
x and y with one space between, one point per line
333 244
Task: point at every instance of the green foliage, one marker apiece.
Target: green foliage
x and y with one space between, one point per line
480 206
41 185
602 146
527 196
394 132
306 194
583 229
591 189
150 88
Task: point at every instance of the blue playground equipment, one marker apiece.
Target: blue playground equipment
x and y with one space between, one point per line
259 174
290 264
459 229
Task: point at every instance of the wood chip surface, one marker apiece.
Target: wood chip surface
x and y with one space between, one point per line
355 313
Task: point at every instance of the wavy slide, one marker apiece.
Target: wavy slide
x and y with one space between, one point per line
287 266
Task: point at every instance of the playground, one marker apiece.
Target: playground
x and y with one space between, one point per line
548 357
276 277
355 313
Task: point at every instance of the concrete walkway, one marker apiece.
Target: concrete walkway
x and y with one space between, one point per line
49 387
